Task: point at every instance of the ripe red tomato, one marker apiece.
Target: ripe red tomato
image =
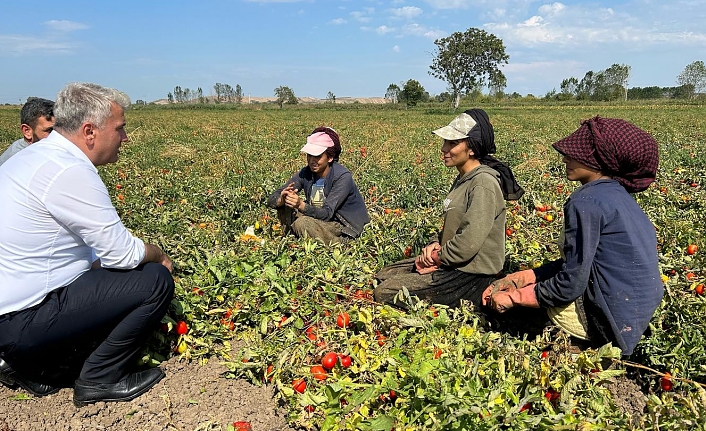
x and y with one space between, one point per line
343 320
345 361
311 333
526 408
408 252
329 360
310 409
242 426
509 232
318 372
666 382
299 385
181 328
381 339
699 289
393 394
545 353
551 395
437 352
692 249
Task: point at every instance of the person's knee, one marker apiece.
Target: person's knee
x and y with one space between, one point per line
304 225
160 278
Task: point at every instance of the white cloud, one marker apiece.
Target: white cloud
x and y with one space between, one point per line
396 48
383 29
407 12
338 21
551 9
19 44
450 4
363 15
64 26
420 30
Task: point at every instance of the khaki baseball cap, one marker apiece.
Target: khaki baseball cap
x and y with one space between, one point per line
458 128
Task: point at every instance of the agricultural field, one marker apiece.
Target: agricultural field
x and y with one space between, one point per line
193 180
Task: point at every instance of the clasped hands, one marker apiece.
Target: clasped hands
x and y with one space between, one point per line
290 197
428 261
512 290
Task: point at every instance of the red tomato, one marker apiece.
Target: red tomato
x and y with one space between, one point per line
551 395
242 426
381 339
408 252
318 372
181 327
699 289
329 360
393 394
666 382
526 408
345 361
310 409
509 232
299 385
692 249
343 320
437 352
311 333
545 353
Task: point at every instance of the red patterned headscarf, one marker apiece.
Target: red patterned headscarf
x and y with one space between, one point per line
616 148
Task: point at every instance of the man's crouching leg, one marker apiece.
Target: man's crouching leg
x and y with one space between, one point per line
144 296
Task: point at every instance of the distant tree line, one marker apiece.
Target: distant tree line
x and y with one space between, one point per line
223 93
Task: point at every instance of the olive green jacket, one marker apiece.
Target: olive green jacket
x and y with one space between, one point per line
473 237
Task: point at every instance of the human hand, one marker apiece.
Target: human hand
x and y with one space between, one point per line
500 285
422 269
293 200
522 278
286 191
430 255
166 262
501 301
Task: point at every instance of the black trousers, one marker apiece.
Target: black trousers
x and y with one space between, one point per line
101 319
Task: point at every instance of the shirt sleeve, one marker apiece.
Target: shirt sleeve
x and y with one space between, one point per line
475 227
79 200
583 225
340 190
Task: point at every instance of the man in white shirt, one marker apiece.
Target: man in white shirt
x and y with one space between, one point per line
37 121
71 274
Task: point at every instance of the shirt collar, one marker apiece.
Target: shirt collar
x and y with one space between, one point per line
60 140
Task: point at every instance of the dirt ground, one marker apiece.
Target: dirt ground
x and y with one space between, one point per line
191 397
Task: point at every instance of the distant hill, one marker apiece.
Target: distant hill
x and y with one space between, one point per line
304 100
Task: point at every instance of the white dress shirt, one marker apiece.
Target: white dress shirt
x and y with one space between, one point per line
56 217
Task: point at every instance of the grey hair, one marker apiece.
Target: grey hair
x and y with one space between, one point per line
79 103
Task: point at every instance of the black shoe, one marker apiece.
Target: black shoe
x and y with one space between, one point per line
11 379
128 388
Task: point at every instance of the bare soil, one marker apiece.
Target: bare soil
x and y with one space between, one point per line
191 397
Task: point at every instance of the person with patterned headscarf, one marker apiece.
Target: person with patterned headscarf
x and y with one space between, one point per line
332 207
607 285
470 249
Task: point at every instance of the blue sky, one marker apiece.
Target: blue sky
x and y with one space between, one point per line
351 48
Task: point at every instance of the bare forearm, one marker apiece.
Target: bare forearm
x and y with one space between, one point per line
155 254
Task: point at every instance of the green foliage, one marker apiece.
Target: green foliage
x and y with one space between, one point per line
468 60
193 180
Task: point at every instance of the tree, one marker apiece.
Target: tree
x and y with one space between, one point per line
412 92
615 78
199 94
393 93
238 94
694 77
569 86
585 89
218 88
285 95
330 97
170 98
466 60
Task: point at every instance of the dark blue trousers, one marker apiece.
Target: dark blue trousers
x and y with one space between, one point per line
102 319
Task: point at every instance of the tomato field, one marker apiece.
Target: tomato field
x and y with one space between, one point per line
194 180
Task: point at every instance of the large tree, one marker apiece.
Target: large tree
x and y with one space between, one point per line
466 60
285 95
693 77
